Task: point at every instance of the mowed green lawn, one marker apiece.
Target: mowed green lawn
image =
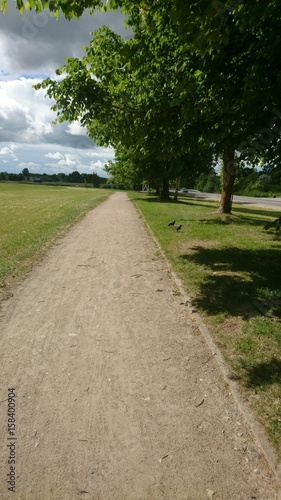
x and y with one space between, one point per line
32 215
231 268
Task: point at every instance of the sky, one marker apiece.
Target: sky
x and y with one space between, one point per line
32 47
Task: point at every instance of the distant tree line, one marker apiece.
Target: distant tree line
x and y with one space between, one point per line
249 180
74 177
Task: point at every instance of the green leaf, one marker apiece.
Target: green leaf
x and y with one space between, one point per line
3 5
20 6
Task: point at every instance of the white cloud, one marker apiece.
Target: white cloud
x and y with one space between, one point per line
26 121
107 153
3 114
5 151
28 165
9 151
32 47
55 156
35 44
21 120
68 162
97 164
47 158
94 154
75 128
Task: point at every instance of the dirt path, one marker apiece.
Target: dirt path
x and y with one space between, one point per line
117 396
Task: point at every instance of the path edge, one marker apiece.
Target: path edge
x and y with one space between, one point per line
255 428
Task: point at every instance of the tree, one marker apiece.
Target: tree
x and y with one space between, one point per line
61 177
25 173
123 93
95 180
124 171
75 177
208 182
193 69
129 170
236 45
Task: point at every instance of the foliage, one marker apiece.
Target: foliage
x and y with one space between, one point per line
251 182
69 9
236 46
124 171
208 182
195 73
96 180
25 173
123 92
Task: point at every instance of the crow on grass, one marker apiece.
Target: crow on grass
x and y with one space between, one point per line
178 228
276 224
172 223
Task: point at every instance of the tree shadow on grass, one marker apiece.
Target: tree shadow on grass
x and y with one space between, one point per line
238 280
244 216
233 220
183 201
245 212
264 374
155 199
258 211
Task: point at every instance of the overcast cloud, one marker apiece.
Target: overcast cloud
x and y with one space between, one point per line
32 47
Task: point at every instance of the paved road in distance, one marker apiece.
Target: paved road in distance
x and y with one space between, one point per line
273 203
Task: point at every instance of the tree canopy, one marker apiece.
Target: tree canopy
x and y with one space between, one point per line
198 79
123 92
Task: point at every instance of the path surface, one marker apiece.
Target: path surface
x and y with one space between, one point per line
117 396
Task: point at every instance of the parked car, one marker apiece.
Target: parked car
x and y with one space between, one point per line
184 190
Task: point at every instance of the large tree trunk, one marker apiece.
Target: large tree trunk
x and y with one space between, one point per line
165 190
227 183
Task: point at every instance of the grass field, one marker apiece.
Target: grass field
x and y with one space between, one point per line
231 268
32 216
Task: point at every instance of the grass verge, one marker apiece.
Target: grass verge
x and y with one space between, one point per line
231 267
31 217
